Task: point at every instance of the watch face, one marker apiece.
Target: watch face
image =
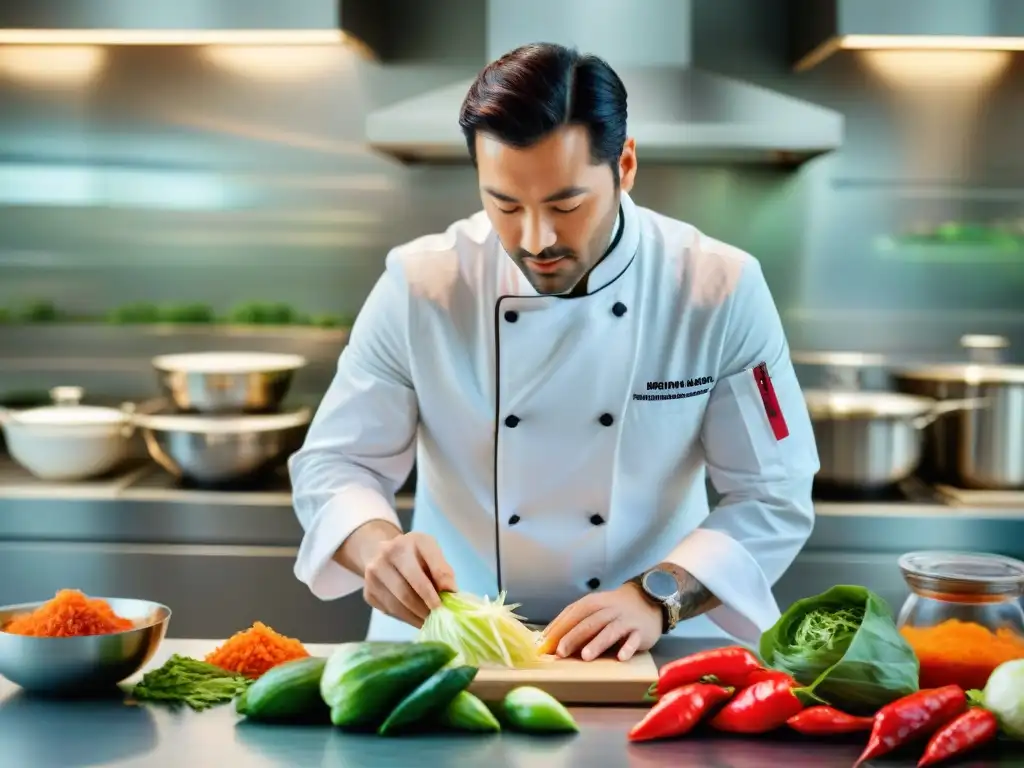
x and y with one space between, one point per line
660 584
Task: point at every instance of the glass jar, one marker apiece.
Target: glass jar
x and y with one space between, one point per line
964 616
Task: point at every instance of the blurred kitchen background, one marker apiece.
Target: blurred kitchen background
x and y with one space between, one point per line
178 192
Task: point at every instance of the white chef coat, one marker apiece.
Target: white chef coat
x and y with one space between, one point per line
568 437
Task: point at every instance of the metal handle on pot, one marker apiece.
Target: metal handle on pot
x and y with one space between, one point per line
128 429
67 395
942 407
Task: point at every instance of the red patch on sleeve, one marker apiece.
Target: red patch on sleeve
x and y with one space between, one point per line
770 401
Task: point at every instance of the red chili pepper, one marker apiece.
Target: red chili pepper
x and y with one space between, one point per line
760 708
914 716
768 674
729 666
958 737
825 721
678 711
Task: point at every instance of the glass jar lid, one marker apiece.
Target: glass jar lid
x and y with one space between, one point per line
963 573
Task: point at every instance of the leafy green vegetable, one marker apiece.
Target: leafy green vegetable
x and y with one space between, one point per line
257 313
41 312
844 646
187 313
138 312
183 680
483 632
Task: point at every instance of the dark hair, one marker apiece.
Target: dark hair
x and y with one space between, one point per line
535 89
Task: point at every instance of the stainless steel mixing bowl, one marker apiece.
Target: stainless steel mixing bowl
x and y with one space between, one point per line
70 666
227 382
217 450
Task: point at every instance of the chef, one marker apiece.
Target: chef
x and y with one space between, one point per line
566 368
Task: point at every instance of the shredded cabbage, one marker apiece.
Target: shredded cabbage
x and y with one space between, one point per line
482 632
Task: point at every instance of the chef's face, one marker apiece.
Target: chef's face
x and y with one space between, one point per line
553 207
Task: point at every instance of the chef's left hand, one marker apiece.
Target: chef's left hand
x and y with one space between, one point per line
597 622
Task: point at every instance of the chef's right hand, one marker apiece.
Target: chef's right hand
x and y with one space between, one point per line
405 575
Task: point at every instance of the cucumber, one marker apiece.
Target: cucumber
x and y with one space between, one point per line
240 702
363 682
532 710
432 696
467 713
289 691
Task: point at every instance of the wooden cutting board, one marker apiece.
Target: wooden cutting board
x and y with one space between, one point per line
572 681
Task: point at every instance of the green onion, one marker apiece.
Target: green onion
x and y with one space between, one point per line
197 684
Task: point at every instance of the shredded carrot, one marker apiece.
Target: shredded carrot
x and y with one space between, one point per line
255 650
961 652
69 614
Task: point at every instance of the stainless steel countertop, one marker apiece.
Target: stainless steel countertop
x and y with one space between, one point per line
38 733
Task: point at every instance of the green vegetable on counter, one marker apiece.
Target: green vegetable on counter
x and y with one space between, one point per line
41 312
287 692
363 682
532 710
256 313
326 321
467 713
433 695
187 313
183 680
844 646
482 631
134 313
1004 697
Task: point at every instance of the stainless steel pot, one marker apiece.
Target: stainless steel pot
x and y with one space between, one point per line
841 370
870 440
227 382
981 448
216 450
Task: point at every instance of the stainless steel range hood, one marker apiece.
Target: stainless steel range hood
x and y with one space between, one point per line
677 112
185 22
821 28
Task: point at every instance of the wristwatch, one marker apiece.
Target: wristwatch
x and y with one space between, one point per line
660 586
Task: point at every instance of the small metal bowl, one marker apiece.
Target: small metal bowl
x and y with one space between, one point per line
227 382
72 666
220 450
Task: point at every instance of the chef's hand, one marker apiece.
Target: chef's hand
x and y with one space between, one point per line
597 622
402 572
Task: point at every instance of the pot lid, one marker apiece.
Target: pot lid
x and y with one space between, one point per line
966 373
228 362
837 404
224 424
68 412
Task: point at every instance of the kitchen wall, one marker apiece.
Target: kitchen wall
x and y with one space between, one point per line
222 176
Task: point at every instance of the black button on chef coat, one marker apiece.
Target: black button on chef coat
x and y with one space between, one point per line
618 309
511 316
511 421
514 519
606 419
594 583
596 520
